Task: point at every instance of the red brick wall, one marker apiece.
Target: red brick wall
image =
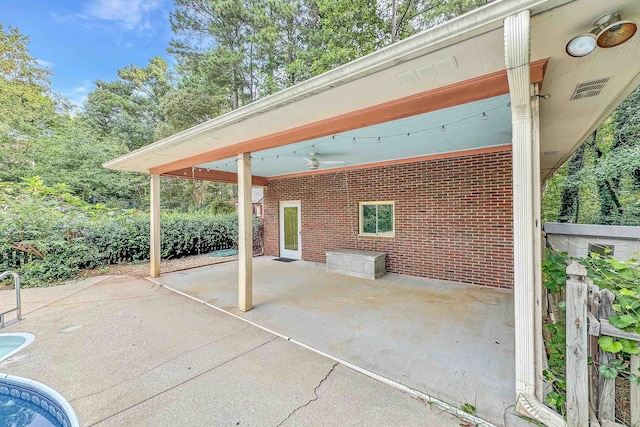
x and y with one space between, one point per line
453 216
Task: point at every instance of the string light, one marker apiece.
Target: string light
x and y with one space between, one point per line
378 138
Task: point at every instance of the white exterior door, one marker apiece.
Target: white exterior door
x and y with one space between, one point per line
290 230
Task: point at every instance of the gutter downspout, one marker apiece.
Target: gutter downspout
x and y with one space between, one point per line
517 42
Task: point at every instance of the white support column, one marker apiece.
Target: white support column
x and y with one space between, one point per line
517 38
537 240
245 235
154 253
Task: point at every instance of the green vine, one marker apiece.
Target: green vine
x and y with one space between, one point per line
622 278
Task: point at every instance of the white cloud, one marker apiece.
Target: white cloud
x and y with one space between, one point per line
43 63
128 13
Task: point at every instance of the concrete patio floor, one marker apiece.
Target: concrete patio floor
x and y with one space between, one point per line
452 341
126 352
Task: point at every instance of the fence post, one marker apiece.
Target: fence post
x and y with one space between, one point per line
593 305
607 402
576 354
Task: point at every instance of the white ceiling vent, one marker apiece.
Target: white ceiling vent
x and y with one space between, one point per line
589 88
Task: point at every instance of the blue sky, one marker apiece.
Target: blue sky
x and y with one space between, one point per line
85 41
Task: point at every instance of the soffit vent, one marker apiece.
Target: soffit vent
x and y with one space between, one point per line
589 88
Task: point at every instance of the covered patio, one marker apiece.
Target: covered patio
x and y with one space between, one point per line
452 341
450 134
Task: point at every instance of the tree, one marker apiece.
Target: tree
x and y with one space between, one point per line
347 30
570 198
25 107
128 110
210 42
600 183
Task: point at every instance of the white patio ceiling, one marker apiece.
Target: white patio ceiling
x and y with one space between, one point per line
479 124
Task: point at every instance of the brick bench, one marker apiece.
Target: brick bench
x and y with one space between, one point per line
365 264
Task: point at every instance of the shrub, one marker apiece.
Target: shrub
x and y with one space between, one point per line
48 235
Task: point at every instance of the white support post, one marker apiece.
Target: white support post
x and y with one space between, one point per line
154 252
517 39
538 244
245 235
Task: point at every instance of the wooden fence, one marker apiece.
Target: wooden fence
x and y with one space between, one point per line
590 396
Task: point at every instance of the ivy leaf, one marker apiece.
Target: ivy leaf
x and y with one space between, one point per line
616 363
608 372
608 344
629 346
627 274
562 305
617 265
634 379
617 308
628 302
625 291
554 399
623 321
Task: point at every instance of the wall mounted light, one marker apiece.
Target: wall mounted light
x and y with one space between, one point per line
610 31
581 45
614 31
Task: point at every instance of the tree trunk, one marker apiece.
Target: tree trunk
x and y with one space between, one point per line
570 198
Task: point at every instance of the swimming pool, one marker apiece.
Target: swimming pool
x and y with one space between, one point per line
25 402
12 343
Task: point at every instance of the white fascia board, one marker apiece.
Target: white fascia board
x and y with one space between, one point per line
464 27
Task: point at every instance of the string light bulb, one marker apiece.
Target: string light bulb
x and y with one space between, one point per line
379 141
484 116
443 129
354 140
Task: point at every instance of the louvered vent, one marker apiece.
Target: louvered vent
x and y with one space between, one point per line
590 88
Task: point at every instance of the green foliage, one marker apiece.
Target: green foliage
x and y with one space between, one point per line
620 277
469 408
601 182
127 111
48 235
554 267
25 107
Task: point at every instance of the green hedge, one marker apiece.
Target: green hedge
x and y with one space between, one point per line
48 235
126 238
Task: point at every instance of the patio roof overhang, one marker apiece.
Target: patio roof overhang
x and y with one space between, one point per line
448 74
454 74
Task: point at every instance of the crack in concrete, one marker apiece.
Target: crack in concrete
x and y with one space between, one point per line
315 393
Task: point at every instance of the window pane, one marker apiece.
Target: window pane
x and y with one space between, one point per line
291 228
369 218
385 218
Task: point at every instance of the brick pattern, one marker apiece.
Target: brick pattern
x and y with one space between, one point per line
453 216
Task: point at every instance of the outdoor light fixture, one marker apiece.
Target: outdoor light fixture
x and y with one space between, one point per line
581 45
610 31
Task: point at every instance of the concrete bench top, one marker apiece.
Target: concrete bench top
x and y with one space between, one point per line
364 254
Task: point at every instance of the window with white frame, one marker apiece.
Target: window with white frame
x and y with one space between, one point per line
377 218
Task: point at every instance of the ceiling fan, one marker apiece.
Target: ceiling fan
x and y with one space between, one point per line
314 163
